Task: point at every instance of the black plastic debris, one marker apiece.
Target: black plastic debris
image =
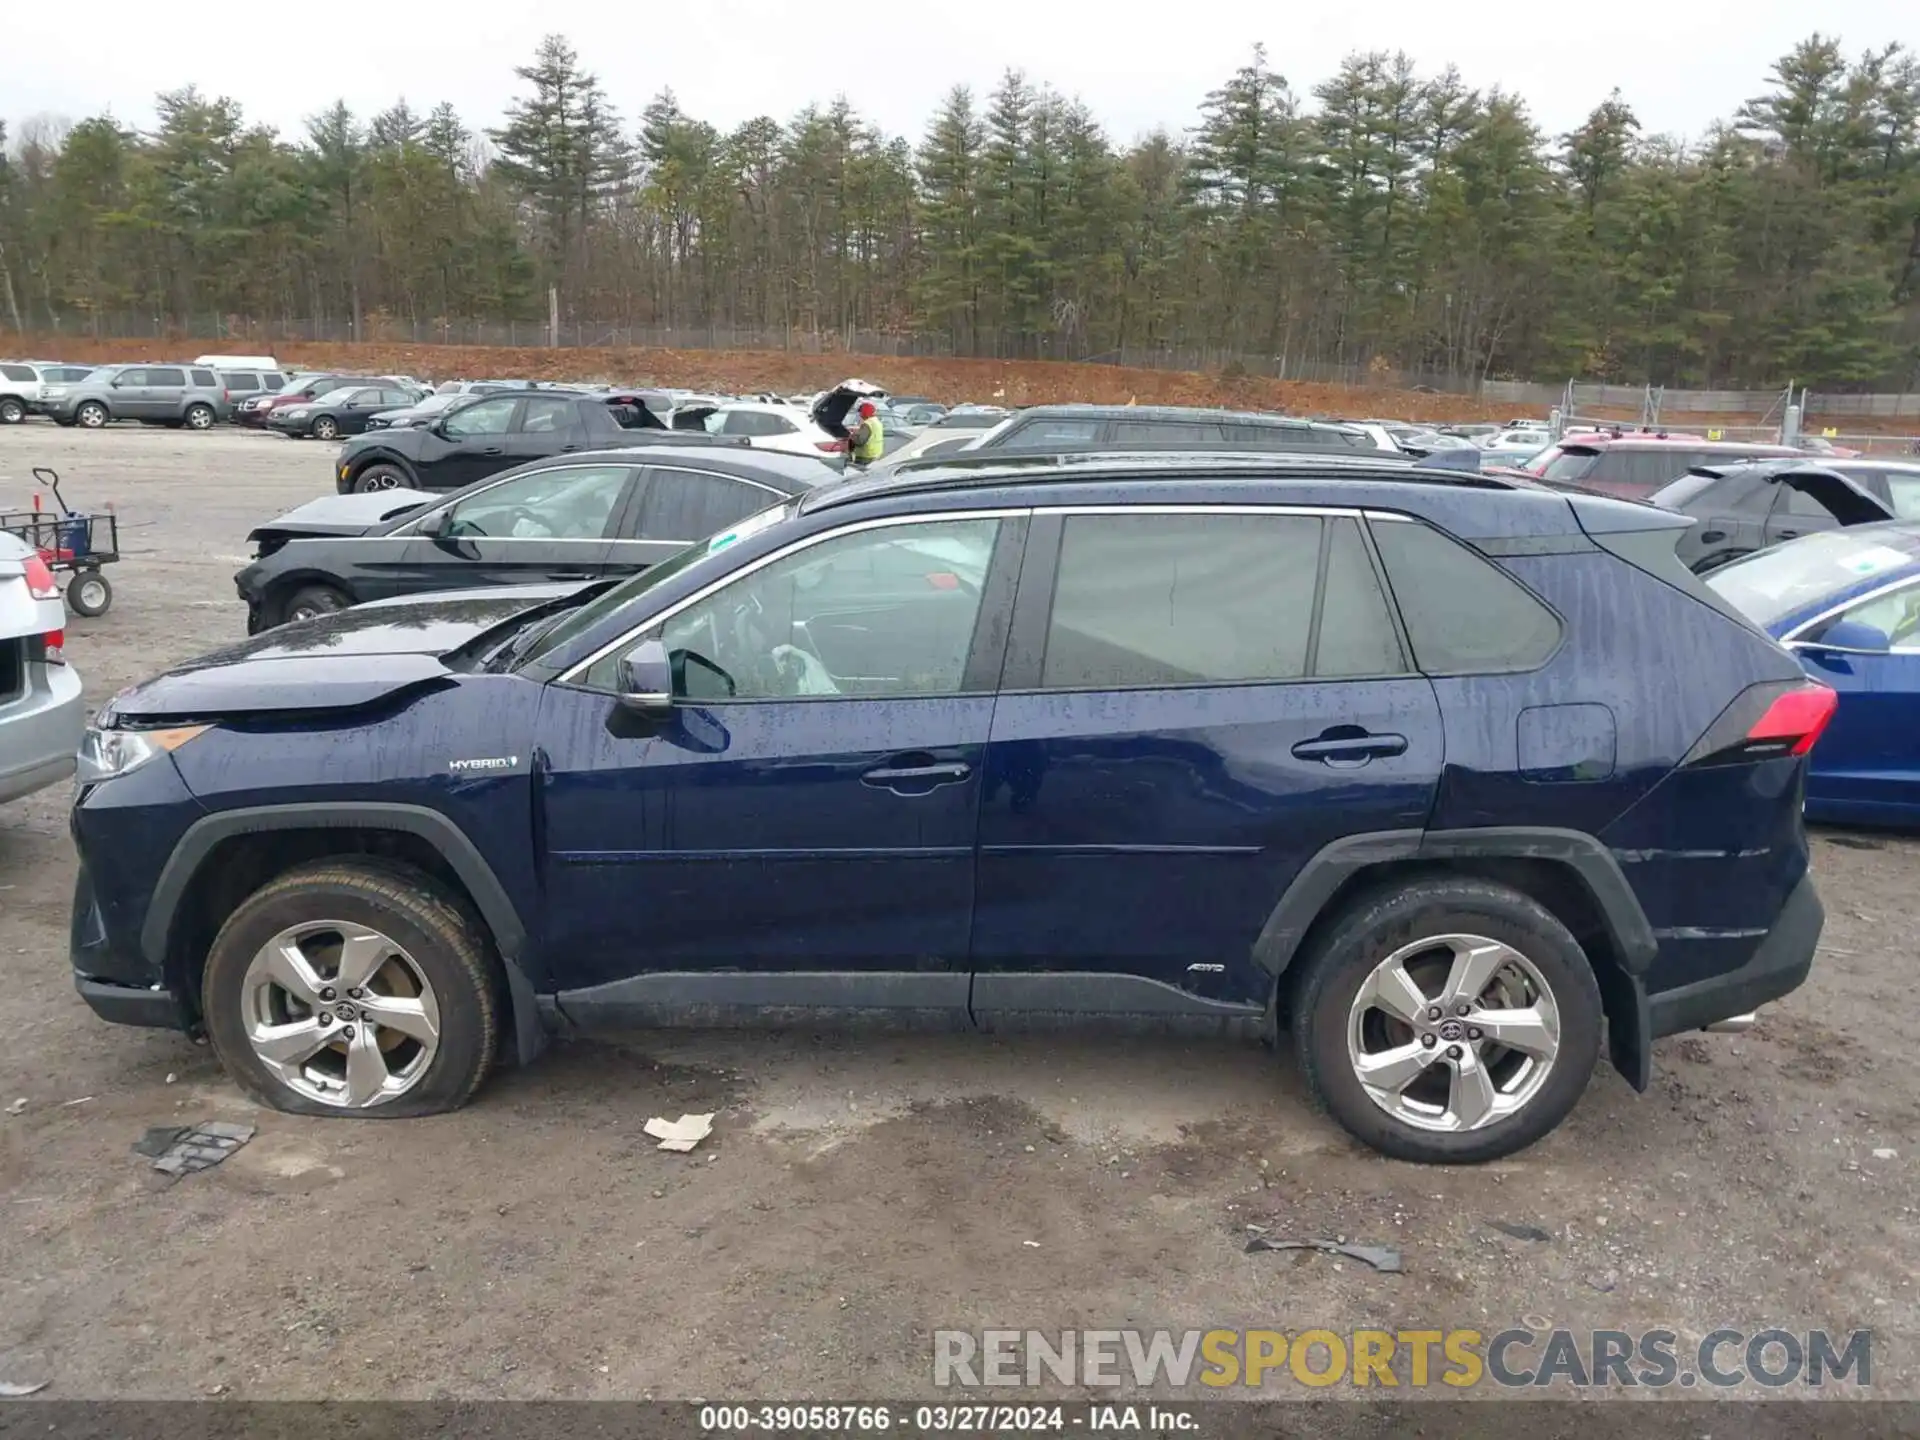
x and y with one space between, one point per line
1386 1261
1518 1231
198 1147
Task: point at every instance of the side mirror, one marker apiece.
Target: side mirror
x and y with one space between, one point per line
646 677
1851 637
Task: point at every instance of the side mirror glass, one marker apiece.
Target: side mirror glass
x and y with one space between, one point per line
646 677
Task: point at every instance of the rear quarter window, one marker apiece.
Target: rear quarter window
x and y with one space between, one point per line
1463 614
206 379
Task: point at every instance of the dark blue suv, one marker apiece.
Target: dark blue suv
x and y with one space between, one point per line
1449 776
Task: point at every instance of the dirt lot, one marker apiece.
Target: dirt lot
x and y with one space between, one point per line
859 1191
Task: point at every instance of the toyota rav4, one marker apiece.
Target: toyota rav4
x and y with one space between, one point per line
1454 779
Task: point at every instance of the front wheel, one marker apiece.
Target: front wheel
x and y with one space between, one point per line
379 477
353 987
92 415
311 601
89 593
199 417
1447 1021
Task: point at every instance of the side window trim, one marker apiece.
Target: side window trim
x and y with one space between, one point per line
634 633
1040 573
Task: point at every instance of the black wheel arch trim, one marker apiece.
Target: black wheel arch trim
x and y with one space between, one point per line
460 853
359 464
1322 877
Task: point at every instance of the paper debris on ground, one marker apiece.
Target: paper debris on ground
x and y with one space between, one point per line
198 1147
11 1391
17 1106
1885 1154
682 1134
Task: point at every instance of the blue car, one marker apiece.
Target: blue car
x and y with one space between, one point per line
1449 777
1847 603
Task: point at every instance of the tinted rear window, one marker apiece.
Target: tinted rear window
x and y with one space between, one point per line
1570 464
1464 614
1678 493
174 379
18 372
237 380
206 380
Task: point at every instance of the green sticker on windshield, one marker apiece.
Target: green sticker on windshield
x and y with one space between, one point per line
720 542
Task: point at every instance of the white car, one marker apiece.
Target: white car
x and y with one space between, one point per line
19 391
42 715
767 426
1537 436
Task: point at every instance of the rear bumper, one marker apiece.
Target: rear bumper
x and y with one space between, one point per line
1778 967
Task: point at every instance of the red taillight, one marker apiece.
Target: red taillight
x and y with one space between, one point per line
56 643
40 582
1794 721
830 447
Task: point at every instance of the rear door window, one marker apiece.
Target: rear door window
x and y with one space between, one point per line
167 377
687 505
1147 601
545 414
1464 615
19 372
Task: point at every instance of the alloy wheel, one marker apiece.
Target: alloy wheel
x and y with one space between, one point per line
1453 1033
340 1013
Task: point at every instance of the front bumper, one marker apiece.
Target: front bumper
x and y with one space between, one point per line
40 731
297 429
1778 967
117 1001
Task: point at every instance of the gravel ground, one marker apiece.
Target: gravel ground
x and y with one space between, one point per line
858 1191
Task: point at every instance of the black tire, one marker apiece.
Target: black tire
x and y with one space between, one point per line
380 477
313 600
12 410
91 415
444 940
1326 981
325 427
199 417
89 593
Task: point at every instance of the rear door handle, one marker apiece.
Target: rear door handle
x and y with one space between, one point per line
1712 537
916 779
1354 748
494 450
568 575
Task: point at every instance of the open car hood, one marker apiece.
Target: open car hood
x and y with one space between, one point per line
830 410
342 515
352 658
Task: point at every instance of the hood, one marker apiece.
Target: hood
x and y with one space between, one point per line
341 515
344 661
830 411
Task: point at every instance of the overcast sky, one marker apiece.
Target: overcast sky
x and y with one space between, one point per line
1680 64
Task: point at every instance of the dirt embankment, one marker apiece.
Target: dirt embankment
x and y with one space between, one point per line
1009 382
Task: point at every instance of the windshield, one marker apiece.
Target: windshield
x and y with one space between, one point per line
1771 585
609 601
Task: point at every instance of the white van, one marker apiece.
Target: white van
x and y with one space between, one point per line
239 362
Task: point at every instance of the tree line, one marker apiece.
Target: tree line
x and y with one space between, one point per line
1383 219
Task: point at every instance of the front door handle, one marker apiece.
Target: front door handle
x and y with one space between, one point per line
494 450
1346 747
1712 537
916 774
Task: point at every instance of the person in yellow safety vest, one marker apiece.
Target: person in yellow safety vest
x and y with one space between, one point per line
866 440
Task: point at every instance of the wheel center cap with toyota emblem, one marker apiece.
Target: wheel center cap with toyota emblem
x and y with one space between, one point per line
1452 1030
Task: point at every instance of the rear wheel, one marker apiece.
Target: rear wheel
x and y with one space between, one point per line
351 987
380 477
326 427
199 417
91 415
88 593
310 601
12 410
1448 1021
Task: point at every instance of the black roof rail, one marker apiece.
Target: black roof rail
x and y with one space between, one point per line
980 469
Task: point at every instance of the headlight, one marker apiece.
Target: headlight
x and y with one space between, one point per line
300 413
105 754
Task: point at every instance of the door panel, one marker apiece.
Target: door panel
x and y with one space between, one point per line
1151 833
1172 746
748 837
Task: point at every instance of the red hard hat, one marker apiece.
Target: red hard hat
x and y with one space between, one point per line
866 407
